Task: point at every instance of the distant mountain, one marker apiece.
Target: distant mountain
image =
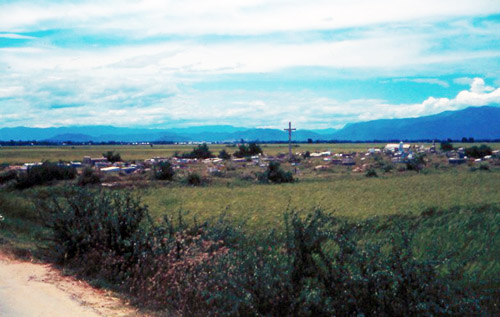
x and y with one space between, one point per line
476 122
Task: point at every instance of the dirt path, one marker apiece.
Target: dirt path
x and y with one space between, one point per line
29 289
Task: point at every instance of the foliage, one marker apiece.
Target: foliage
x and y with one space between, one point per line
194 179
417 163
223 154
248 150
164 171
7 176
478 151
200 152
315 266
88 177
371 172
112 157
43 174
275 174
446 146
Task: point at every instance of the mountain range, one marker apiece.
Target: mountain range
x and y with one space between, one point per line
476 122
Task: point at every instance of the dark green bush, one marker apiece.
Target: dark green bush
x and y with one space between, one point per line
371 172
88 177
223 154
194 179
43 174
248 150
446 146
478 151
164 171
275 174
7 176
112 156
200 152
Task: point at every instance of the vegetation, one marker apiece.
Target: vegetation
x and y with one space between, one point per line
446 146
275 174
200 152
478 151
164 171
248 150
223 154
44 174
88 177
313 265
112 157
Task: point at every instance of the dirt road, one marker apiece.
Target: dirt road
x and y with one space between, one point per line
29 289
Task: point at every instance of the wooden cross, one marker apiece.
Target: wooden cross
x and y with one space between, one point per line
290 139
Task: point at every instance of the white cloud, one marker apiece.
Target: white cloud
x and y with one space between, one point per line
229 17
432 81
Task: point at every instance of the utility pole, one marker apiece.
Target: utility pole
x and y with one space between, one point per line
290 139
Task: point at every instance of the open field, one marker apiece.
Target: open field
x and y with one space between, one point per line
23 154
354 196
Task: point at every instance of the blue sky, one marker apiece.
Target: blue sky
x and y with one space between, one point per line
253 63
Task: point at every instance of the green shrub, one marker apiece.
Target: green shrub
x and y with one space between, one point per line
446 146
43 174
223 154
371 172
7 176
478 152
194 179
164 171
248 150
112 156
275 174
88 177
200 152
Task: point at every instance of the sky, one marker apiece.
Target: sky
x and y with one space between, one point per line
249 63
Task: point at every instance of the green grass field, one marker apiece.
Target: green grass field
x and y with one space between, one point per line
23 154
354 197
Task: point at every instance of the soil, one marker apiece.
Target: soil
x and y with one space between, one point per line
34 289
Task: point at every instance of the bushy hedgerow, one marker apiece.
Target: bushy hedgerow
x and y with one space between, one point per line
43 174
315 267
248 150
478 151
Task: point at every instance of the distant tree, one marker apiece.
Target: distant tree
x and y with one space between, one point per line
446 146
464 140
223 154
248 150
112 157
200 152
309 141
471 139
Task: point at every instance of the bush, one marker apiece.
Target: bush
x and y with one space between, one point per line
7 176
417 163
112 157
314 267
248 150
223 154
275 174
200 152
43 174
194 179
371 172
88 177
478 152
446 146
164 171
